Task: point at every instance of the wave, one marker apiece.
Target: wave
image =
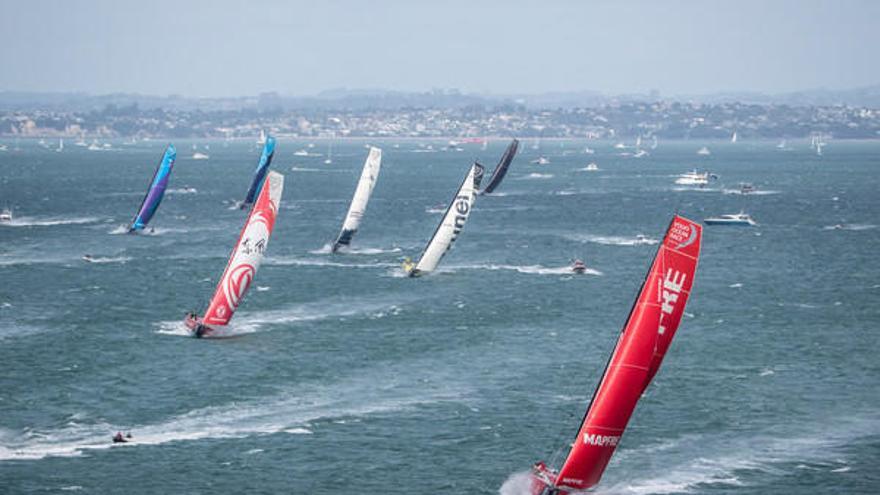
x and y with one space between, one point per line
612 240
291 412
290 260
696 189
327 249
48 222
731 456
850 226
109 259
536 175
760 192
527 269
182 190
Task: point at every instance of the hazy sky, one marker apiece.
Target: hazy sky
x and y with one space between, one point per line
233 48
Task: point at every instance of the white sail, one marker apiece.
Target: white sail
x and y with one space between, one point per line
456 215
361 196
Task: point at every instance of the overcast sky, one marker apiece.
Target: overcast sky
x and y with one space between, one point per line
234 48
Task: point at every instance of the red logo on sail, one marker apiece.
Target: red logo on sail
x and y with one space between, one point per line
237 284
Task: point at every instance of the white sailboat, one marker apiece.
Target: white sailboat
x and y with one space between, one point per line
733 137
361 196
453 221
60 145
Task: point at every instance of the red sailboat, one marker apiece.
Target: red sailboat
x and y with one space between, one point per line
645 338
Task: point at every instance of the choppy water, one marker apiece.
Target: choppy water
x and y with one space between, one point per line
349 378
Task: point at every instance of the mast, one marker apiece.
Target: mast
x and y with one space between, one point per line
643 342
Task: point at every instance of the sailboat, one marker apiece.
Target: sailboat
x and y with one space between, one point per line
453 221
60 147
156 191
262 138
243 263
501 169
361 196
260 173
640 349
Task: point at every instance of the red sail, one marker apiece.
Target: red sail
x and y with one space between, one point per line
640 349
247 254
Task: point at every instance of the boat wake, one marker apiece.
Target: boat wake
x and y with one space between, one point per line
291 412
182 190
731 457
759 192
527 269
247 323
850 226
613 240
326 249
48 222
110 259
294 261
535 175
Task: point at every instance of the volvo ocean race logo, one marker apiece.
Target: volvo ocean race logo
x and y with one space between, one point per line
237 284
683 233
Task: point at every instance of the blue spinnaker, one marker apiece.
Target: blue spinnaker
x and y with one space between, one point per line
260 172
156 191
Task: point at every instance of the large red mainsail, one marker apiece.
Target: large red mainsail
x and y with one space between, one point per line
636 358
247 255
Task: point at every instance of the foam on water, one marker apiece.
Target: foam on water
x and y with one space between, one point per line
48 222
288 412
535 175
612 240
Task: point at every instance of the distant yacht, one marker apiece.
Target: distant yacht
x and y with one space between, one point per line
589 151
704 151
620 146
541 161
301 153
81 142
262 138
746 188
592 167
738 219
693 178
200 156
95 146
60 147
640 153
781 145
5 215
733 138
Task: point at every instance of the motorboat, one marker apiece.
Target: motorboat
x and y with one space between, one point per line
737 219
693 178
704 151
541 160
6 215
579 267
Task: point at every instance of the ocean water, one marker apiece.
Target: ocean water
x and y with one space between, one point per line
349 378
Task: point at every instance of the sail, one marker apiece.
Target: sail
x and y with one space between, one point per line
156 190
260 172
456 215
501 169
247 255
645 338
361 196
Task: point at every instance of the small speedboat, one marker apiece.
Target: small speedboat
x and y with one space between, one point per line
541 161
704 151
119 438
200 156
578 266
6 215
592 167
693 178
737 219
746 188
